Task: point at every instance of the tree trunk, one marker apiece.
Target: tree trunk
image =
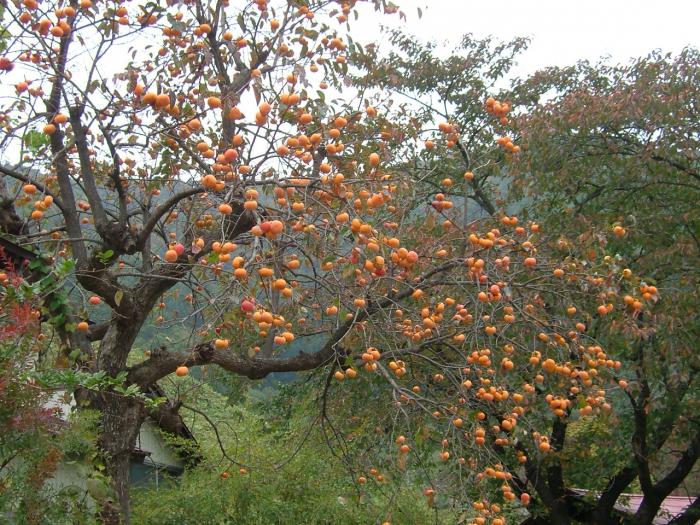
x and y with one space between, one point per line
121 416
121 421
648 509
558 514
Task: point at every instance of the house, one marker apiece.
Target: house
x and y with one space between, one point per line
154 459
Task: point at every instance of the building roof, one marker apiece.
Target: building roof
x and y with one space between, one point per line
671 507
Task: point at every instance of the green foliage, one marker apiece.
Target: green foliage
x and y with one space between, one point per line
33 442
291 475
35 140
311 494
4 33
591 448
71 379
78 440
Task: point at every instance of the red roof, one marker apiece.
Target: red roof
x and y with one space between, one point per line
671 507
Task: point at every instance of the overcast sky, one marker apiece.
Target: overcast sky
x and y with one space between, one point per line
562 31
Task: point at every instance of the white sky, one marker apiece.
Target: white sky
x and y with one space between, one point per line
562 31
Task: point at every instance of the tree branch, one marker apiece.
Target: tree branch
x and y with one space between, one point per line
60 157
555 475
161 364
684 465
655 497
479 194
86 173
161 210
29 180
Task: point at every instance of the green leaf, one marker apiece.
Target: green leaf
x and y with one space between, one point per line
154 402
118 296
57 302
35 140
104 257
36 264
66 266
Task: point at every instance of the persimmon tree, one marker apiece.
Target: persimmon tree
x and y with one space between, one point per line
601 144
612 167
181 156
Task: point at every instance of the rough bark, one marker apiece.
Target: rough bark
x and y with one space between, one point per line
121 416
121 419
654 497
